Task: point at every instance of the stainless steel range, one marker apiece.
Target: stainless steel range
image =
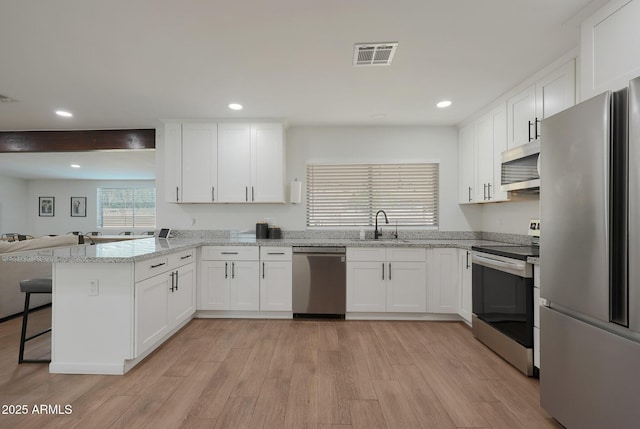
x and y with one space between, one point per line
503 302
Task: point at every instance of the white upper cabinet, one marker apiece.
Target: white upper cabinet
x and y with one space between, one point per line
199 162
226 163
251 163
173 162
553 93
480 149
556 91
610 44
522 115
190 162
467 165
234 150
267 163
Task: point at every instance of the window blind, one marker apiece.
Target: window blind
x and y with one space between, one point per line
351 194
127 207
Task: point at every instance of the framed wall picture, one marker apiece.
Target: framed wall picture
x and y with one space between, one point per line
46 206
78 206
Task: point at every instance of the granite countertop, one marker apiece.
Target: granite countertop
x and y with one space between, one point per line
146 248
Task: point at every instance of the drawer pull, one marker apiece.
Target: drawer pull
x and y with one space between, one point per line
229 253
186 257
158 265
275 253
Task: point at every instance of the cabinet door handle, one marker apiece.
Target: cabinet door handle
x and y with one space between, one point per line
246 193
226 265
177 195
469 193
536 128
529 131
467 259
389 270
263 270
158 265
213 198
173 280
253 198
485 191
489 191
383 271
177 277
233 270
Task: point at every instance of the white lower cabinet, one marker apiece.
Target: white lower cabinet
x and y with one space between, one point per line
182 300
276 288
152 311
466 271
443 285
164 301
366 288
386 280
229 278
406 287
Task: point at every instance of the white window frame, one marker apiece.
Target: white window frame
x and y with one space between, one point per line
391 187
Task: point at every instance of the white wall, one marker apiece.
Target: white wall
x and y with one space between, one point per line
332 144
13 205
63 190
511 217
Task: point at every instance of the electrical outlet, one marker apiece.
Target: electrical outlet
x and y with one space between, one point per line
93 288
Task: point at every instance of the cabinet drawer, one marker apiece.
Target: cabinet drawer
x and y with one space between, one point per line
404 254
230 253
151 267
275 253
365 254
179 259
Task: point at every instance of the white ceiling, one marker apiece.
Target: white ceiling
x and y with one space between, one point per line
127 64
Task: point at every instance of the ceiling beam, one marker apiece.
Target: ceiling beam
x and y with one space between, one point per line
76 141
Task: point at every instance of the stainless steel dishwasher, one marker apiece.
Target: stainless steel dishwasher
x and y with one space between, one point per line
319 282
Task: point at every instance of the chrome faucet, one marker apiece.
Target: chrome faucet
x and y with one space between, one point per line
377 234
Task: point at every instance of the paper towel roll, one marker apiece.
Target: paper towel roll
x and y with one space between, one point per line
295 196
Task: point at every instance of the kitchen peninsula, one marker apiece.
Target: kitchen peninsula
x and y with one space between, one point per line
114 303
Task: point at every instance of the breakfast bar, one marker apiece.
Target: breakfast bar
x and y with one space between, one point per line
115 303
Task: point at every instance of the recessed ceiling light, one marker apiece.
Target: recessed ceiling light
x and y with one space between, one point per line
235 106
64 113
443 104
75 166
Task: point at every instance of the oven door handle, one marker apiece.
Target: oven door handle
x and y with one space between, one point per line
494 263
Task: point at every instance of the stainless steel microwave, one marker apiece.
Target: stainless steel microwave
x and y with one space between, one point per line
520 168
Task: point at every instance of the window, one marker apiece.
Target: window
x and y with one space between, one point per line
127 207
351 194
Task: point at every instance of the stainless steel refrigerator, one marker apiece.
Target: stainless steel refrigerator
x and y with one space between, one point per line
590 262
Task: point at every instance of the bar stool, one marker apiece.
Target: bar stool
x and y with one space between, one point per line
38 285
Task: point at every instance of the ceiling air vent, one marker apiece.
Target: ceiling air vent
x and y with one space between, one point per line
5 99
374 54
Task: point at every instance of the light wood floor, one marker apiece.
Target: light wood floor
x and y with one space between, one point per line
284 374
